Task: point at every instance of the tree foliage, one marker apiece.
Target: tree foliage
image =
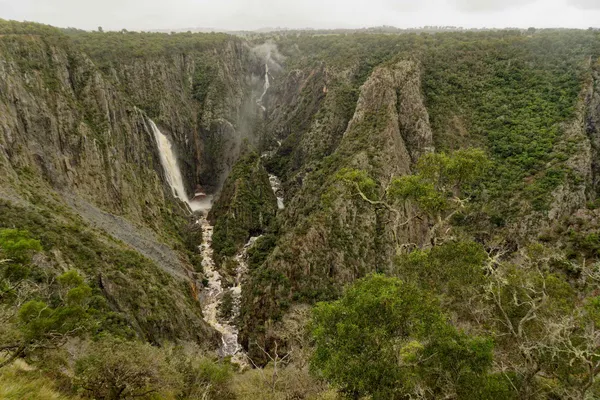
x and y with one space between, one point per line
40 320
389 339
441 179
16 249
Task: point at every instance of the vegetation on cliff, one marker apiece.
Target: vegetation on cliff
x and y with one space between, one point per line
439 238
246 207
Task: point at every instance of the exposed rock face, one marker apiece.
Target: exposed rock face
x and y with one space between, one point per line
246 207
162 88
67 130
80 136
307 123
64 122
343 237
208 123
390 126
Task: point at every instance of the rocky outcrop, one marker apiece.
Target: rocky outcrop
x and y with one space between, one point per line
63 122
312 108
343 237
203 100
246 207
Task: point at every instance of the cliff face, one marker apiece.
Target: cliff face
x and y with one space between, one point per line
72 144
310 111
202 99
331 236
75 140
63 122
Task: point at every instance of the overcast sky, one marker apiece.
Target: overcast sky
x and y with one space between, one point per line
255 14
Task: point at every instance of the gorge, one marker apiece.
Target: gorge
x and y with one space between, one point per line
412 214
212 298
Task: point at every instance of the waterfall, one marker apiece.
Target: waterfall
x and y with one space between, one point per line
277 189
214 292
169 163
266 86
172 171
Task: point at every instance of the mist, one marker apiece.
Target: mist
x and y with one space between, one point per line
227 15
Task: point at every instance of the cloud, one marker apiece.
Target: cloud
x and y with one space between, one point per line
585 4
255 14
489 5
403 5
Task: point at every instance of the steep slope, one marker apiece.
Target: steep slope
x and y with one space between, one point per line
75 152
199 88
527 99
341 118
246 207
335 236
65 126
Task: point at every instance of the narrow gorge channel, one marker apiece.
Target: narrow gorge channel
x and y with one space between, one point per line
215 292
213 295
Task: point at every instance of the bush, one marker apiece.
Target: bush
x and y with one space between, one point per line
202 377
113 369
289 382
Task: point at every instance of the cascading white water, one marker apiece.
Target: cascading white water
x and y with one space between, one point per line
277 189
266 86
213 294
169 163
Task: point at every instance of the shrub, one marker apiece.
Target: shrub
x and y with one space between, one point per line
113 369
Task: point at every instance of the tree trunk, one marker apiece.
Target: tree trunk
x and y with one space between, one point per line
20 350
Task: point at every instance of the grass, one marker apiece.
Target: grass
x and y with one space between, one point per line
289 382
19 381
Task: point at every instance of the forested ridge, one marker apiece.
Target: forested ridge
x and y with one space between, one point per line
439 237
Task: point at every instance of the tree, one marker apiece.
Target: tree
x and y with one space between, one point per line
113 369
43 325
573 348
388 339
441 187
573 343
36 319
16 250
532 313
36 322
452 270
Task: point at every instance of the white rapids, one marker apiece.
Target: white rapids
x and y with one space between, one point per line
277 189
212 296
